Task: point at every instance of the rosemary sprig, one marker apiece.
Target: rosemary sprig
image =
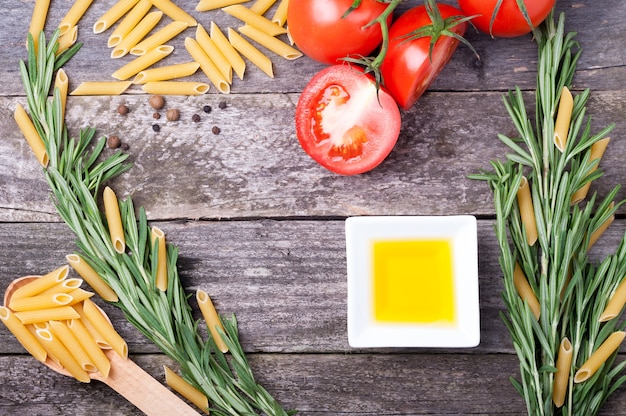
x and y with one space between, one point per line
75 174
571 290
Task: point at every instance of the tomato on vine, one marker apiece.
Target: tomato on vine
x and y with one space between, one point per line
507 18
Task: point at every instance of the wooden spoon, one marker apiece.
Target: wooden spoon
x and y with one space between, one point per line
125 377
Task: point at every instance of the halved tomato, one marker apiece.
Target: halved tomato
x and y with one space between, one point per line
344 122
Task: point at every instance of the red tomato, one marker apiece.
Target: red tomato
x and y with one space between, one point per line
344 123
407 69
509 22
319 30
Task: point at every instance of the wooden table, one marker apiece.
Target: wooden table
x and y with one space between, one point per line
260 226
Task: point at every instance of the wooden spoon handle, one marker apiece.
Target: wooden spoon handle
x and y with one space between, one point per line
142 390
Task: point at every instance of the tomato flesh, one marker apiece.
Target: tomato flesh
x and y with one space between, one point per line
509 22
344 123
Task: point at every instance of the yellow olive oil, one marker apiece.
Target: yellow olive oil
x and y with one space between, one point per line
413 282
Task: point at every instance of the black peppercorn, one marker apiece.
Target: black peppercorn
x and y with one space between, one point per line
216 130
207 109
222 105
156 116
195 118
156 127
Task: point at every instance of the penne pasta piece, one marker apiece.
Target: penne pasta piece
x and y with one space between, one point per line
174 12
60 313
280 15
91 328
157 237
66 286
159 38
72 17
270 42
596 153
176 88
561 377
249 17
144 61
134 16
62 83
100 361
211 318
37 286
189 392
166 73
563 118
213 52
207 66
67 40
601 229
111 16
525 291
101 88
79 295
92 278
253 54
230 53
527 213
40 302
260 7
114 219
61 331
56 348
615 304
133 37
23 335
205 5
38 19
31 135
599 357
104 327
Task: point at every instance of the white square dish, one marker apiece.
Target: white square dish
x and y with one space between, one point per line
412 281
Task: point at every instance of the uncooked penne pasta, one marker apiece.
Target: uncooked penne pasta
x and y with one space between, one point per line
104 327
176 88
79 295
38 19
61 331
525 291
599 357
68 39
93 350
527 213
166 73
205 5
601 229
563 118
262 6
66 286
159 38
91 328
111 16
31 135
270 42
206 65
280 15
144 61
229 52
174 12
127 24
255 56
157 237
60 313
189 392
133 37
61 82
596 153
249 17
37 286
101 88
56 348
615 304
211 318
92 278
213 52
72 17
561 377
23 335
40 302
114 219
